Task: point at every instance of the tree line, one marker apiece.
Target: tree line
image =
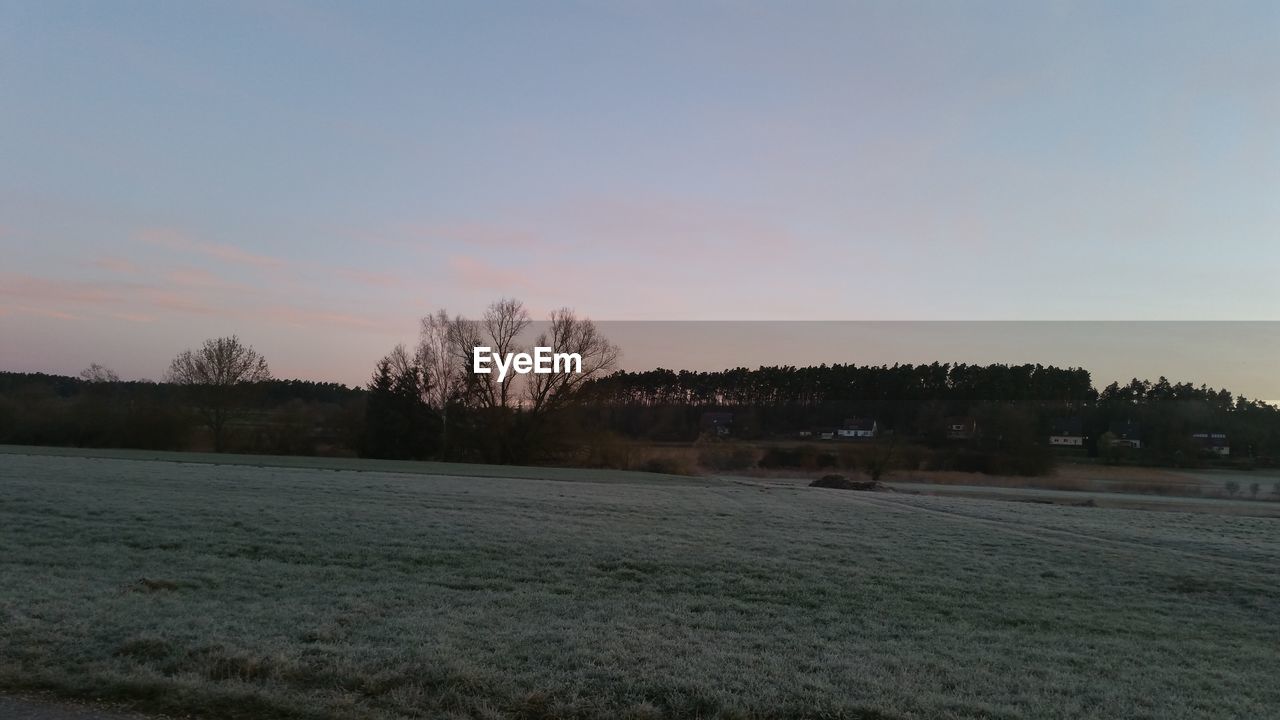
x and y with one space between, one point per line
1008 404
422 401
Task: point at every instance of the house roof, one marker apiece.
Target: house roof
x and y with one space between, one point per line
1127 430
1067 426
1211 439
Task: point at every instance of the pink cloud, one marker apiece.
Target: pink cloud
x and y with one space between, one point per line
132 317
196 277
116 265
33 288
480 274
191 292
174 240
46 312
479 235
374 279
177 301
293 315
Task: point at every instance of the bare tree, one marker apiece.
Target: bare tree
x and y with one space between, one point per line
570 334
499 330
437 355
216 375
96 373
406 367
515 411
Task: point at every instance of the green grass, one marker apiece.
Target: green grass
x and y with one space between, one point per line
235 591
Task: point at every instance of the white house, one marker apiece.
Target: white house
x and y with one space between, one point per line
858 428
1127 434
1212 442
1067 433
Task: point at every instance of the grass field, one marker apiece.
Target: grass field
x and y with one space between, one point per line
235 591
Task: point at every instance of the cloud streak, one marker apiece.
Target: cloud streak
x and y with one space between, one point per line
175 240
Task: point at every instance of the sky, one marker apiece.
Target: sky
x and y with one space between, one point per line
315 176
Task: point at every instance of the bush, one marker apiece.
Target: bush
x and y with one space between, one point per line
608 450
1029 462
727 457
664 464
802 457
850 457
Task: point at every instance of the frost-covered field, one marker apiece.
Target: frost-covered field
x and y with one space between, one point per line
237 591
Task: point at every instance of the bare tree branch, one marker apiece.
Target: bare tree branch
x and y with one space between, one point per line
214 375
96 373
570 334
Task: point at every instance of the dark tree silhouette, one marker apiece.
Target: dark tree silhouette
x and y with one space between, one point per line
216 377
399 424
96 373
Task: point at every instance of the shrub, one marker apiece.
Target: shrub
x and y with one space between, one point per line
1029 462
777 457
727 457
665 464
801 457
850 457
608 450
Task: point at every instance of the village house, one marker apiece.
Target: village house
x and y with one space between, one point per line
1067 432
1126 434
857 428
1213 442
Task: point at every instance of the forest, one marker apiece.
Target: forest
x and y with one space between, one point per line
394 417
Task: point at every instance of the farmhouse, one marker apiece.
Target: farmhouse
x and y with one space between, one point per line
1067 432
1126 434
961 428
857 428
1212 442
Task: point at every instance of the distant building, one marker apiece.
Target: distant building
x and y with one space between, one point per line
961 428
1213 442
858 428
825 433
1126 434
1067 432
806 433
717 423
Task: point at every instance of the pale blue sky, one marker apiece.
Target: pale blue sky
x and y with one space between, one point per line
315 176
